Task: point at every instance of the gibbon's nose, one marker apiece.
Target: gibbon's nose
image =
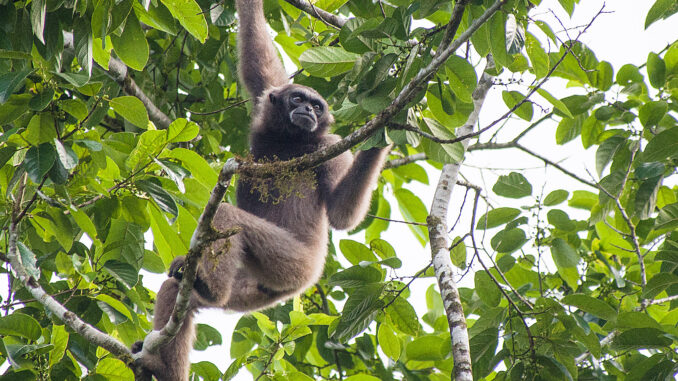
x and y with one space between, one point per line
308 108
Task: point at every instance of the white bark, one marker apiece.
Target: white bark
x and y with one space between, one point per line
442 264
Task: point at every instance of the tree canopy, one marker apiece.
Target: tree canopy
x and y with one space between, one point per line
117 118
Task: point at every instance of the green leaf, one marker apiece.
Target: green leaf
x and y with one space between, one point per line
389 342
513 98
497 25
116 304
656 70
123 272
557 103
497 217
458 253
131 46
659 8
563 254
659 283
355 276
132 109
327 61
591 305
60 341
38 12
41 100
428 348
556 197
356 252
414 210
403 316
606 152
182 130
125 242
508 241
190 16
486 289
442 153
664 145
67 157
22 325
84 44
75 107
10 81
29 260
462 77
114 369
667 217
163 199
206 336
40 129
38 161
641 338
359 311
537 55
513 185
652 112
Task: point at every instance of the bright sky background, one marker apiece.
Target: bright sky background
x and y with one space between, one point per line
618 37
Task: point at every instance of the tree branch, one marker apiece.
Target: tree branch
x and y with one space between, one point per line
204 235
321 14
437 227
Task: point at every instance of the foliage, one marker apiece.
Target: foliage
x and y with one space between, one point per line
95 168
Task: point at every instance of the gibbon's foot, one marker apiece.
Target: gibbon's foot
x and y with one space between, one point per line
176 269
137 347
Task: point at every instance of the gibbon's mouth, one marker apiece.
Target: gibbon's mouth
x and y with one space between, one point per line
304 120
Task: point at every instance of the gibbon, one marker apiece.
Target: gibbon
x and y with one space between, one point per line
281 248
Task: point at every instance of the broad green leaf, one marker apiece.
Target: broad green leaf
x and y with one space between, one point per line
537 55
327 61
123 272
356 252
512 99
182 130
428 348
652 112
413 210
508 241
206 336
606 152
403 316
40 129
116 304
657 11
60 340
41 100
38 161
67 157
84 44
132 109
442 153
462 77
361 377
483 347
602 77
513 185
664 145
659 283
656 70
190 16
22 325
131 46
83 221
359 312
10 81
591 305
497 217
458 253
114 369
486 289
557 103
560 220
125 242
497 25
556 197
75 107
563 254
38 12
388 341
641 338
161 197
29 260
355 276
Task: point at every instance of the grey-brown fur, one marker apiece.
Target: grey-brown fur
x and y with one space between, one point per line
281 248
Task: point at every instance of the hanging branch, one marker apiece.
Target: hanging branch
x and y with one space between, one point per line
442 264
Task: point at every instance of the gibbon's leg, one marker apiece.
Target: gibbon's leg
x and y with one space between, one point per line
274 256
170 362
250 295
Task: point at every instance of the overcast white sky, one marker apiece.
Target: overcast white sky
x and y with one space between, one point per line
618 37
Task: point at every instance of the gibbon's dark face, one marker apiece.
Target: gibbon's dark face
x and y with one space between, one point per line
304 109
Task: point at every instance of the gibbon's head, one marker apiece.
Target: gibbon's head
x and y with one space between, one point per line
301 110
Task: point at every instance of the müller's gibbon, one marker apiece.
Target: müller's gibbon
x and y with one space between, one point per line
281 248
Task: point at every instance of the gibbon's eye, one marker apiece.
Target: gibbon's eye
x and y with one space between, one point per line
317 107
296 99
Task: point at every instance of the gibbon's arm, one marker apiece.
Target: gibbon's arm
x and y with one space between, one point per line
259 65
348 198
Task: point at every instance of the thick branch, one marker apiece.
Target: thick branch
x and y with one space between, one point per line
321 14
444 270
204 235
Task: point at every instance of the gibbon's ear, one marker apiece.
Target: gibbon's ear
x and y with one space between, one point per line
272 97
